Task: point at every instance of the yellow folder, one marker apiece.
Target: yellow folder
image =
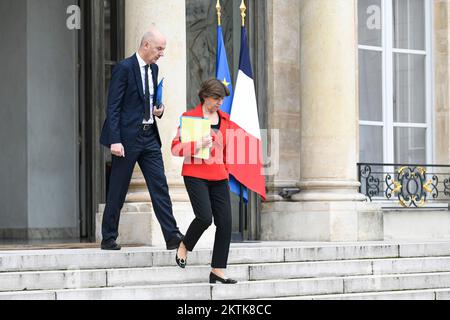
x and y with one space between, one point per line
193 129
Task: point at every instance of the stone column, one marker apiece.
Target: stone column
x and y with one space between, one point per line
329 207
283 97
441 52
138 224
170 18
328 88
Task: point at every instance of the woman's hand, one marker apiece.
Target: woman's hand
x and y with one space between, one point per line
205 142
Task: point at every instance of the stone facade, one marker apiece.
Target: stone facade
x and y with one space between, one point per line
138 224
321 112
312 99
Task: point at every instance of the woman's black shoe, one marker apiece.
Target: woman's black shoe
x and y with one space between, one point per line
213 278
180 262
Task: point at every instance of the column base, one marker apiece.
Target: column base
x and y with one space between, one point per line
321 221
138 192
139 226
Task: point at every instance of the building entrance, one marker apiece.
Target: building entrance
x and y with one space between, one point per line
39 176
58 57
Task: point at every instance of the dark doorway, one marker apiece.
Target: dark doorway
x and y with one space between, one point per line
102 46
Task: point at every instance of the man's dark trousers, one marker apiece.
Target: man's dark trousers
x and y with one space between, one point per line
146 152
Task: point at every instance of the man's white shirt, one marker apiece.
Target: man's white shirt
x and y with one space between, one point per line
142 65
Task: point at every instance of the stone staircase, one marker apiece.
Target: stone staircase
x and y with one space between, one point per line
266 270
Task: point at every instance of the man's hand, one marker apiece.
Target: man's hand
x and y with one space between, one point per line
118 150
158 112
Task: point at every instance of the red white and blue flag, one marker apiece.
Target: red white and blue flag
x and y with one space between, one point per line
223 75
244 157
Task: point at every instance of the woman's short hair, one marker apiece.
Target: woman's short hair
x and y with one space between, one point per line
212 88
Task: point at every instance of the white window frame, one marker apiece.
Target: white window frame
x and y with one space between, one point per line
387 50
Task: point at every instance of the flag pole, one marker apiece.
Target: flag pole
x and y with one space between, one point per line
219 13
242 204
243 9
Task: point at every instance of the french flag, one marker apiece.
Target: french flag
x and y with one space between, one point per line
223 75
244 156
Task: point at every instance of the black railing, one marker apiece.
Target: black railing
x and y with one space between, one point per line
412 185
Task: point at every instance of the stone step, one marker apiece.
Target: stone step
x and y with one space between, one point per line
54 280
139 257
317 269
49 280
411 265
430 249
28 295
258 289
75 259
198 291
352 284
17 281
375 270
50 260
431 294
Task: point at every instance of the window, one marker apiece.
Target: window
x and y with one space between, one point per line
395 81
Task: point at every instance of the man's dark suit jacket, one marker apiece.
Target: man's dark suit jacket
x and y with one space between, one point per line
125 110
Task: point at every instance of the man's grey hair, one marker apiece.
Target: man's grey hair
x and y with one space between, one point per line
147 37
151 36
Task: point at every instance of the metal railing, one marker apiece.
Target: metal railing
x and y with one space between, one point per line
412 185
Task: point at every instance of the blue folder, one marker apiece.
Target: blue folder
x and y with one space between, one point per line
159 93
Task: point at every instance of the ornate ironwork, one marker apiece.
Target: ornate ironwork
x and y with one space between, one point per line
371 183
392 186
411 185
447 187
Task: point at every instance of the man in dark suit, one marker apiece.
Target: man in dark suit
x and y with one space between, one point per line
131 132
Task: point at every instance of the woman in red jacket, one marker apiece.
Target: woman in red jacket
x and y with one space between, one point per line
206 181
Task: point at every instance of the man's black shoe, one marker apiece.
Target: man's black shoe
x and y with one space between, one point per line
174 242
111 245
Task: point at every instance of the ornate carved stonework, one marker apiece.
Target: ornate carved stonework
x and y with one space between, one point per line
201 37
